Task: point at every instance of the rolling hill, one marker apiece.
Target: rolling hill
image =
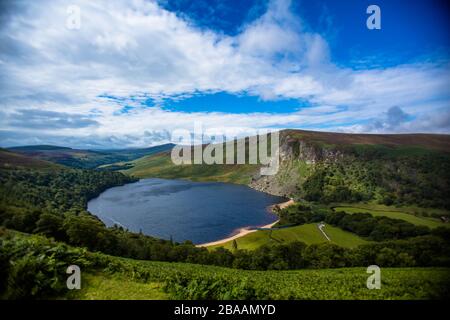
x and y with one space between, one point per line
10 159
160 166
307 233
86 159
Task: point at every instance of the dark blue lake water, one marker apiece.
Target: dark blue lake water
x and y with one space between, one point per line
196 211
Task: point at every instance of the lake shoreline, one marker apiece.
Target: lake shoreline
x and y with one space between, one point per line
238 233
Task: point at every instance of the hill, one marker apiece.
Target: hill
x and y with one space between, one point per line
398 169
307 233
14 160
161 166
440 142
86 159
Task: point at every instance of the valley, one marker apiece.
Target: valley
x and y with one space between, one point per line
379 198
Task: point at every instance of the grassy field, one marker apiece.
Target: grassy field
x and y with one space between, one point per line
204 282
307 233
110 277
161 166
404 213
101 286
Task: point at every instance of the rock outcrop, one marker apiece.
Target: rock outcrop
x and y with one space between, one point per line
294 151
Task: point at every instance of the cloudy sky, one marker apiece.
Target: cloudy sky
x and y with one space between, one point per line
128 73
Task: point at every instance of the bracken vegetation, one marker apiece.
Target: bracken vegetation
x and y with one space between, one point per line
34 267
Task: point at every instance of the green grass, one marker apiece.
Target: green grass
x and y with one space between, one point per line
405 213
307 233
325 284
101 286
161 166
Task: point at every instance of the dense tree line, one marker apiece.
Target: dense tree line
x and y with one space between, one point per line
388 176
430 250
375 228
301 213
362 224
56 190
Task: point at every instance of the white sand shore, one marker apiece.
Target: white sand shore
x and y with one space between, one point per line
246 230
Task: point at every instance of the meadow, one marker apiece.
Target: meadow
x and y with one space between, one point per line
307 233
409 214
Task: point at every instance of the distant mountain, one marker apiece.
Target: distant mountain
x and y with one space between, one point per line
427 141
13 160
335 167
42 147
87 159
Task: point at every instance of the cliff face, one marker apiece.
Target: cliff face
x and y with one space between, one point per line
297 157
338 167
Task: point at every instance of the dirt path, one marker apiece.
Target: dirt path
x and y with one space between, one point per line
321 226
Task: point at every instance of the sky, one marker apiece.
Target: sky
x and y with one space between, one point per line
117 74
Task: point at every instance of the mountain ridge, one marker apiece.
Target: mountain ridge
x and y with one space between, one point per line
85 158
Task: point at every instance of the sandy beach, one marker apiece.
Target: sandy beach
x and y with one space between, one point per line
284 204
246 230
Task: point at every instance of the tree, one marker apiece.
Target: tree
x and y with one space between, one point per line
51 225
234 245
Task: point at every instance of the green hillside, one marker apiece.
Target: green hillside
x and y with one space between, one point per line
307 233
161 166
108 277
325 284
406 214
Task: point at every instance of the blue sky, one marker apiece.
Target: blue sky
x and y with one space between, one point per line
132 72
411 29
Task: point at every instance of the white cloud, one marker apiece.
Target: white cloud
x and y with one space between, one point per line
135 48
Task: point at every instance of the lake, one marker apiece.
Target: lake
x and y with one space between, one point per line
184 210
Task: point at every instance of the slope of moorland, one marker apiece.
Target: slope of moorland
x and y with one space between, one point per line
87 159
12 160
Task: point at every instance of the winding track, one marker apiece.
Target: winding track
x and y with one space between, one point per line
321 226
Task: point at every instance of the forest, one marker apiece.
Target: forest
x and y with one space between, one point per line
390 176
